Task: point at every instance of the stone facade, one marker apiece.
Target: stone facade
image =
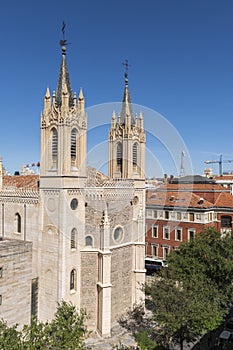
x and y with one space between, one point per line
15 281
86 229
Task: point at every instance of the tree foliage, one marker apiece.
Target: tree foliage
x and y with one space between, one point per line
66 331
192 295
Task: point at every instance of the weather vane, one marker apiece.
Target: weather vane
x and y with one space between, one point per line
126 65
63 42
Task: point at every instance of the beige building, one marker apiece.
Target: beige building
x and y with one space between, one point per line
86 229
15 281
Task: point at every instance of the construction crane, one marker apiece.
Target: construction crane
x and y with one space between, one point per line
220 162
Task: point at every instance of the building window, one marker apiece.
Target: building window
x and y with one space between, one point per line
89 241
178 215
34 299
17 223
166 232
118 234
155 231
54 145
73 279
74 204
148 213
73 239
135 154
166 215
166 251
226 221
178 234
119 157
1 272
191 234
73 146
154 250
155 214
191 216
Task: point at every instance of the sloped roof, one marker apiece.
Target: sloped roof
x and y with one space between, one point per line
21 182
176 199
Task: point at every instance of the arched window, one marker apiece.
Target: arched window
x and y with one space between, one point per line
17 223
54 145
119 156
73 239
73 279
89 241
135 154
73 145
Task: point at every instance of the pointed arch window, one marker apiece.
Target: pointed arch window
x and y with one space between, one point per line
135 154
54 145
73 239
119 156
73 145
73 279
17 223
89 241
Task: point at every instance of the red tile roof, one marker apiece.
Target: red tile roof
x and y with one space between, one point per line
21 182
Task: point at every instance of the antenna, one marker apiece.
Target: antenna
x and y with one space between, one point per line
182 164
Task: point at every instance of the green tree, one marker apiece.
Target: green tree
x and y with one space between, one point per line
208 254
10 337
36 336
192 295
184 309
67 330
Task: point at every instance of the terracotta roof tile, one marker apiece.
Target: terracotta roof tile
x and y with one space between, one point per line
21 181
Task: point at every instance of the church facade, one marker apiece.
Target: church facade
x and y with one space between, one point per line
86 229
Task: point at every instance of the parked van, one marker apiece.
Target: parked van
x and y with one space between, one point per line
153 265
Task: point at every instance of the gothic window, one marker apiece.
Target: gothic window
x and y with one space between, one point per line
54 145
17 223
73 145
73 239
135 154
119 156
88 241
73 279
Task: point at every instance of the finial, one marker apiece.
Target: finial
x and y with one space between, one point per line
63 41
126 65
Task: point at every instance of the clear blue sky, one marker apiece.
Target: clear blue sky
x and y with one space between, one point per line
181 56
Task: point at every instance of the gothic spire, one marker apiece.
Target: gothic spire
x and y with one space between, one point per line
64 79
126 108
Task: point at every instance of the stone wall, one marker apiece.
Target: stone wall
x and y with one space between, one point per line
15 283
88 290
121 278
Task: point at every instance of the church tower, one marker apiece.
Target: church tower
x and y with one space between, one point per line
126 141
62 182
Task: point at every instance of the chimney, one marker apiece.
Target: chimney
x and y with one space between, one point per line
165 179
